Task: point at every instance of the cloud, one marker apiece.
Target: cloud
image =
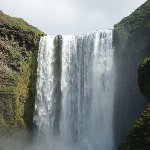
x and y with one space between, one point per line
70 16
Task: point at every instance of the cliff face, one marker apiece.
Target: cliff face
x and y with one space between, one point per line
139 135
144 78
132 45
18 53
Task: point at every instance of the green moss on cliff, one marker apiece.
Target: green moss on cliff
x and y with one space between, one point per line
19 91
139 135
18 64
138 20
18 24
144 77
133 31
132 44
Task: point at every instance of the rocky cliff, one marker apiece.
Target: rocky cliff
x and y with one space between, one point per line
132 45
18 53
139 135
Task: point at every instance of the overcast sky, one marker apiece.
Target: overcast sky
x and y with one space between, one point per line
70 16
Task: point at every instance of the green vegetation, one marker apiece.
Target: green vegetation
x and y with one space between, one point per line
139 135
18 64
144 77
132 44
20 90
18 24
134 23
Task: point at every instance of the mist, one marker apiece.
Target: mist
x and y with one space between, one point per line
21 141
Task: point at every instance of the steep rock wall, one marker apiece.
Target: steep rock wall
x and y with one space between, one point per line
132 44
18 53
139 135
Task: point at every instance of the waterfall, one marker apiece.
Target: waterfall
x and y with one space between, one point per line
75 90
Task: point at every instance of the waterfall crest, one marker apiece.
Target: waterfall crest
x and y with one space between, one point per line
75 90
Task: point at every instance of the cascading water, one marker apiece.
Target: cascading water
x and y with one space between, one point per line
75 89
